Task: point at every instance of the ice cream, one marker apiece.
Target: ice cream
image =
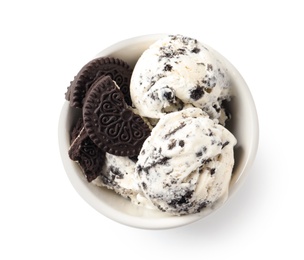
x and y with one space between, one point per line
177 90
118 174
186 163
175 71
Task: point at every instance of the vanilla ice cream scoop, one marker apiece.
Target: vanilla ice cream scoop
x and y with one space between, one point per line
175 71
119 175
186 163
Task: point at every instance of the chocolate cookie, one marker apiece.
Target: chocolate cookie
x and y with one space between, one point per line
76 129
117 69
109 122
68 92
84 151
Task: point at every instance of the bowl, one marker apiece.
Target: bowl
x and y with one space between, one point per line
244 125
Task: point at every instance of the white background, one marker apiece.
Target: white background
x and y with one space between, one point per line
45 43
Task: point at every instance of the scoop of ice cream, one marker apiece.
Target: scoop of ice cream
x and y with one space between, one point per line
175 71
186 163
119 175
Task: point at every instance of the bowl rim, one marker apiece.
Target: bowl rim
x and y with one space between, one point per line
136 221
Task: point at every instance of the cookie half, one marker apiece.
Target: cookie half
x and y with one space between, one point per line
109 122
76 129
84 151
117 69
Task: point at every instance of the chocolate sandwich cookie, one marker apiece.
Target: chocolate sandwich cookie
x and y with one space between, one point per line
117 69
76 129
109 122
68 92
84 151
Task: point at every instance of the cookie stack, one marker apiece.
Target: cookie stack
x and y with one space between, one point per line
108 123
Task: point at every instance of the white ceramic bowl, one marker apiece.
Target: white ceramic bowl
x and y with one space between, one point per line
244 125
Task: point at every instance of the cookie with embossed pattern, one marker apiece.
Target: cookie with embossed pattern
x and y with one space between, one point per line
117 69
110 123
84 151
76 129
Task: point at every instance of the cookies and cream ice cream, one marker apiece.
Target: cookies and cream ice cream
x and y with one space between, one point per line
175 71
186 163
118 174
175 107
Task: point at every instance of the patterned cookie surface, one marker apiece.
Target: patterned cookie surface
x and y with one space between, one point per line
109 122
86 153
117 69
